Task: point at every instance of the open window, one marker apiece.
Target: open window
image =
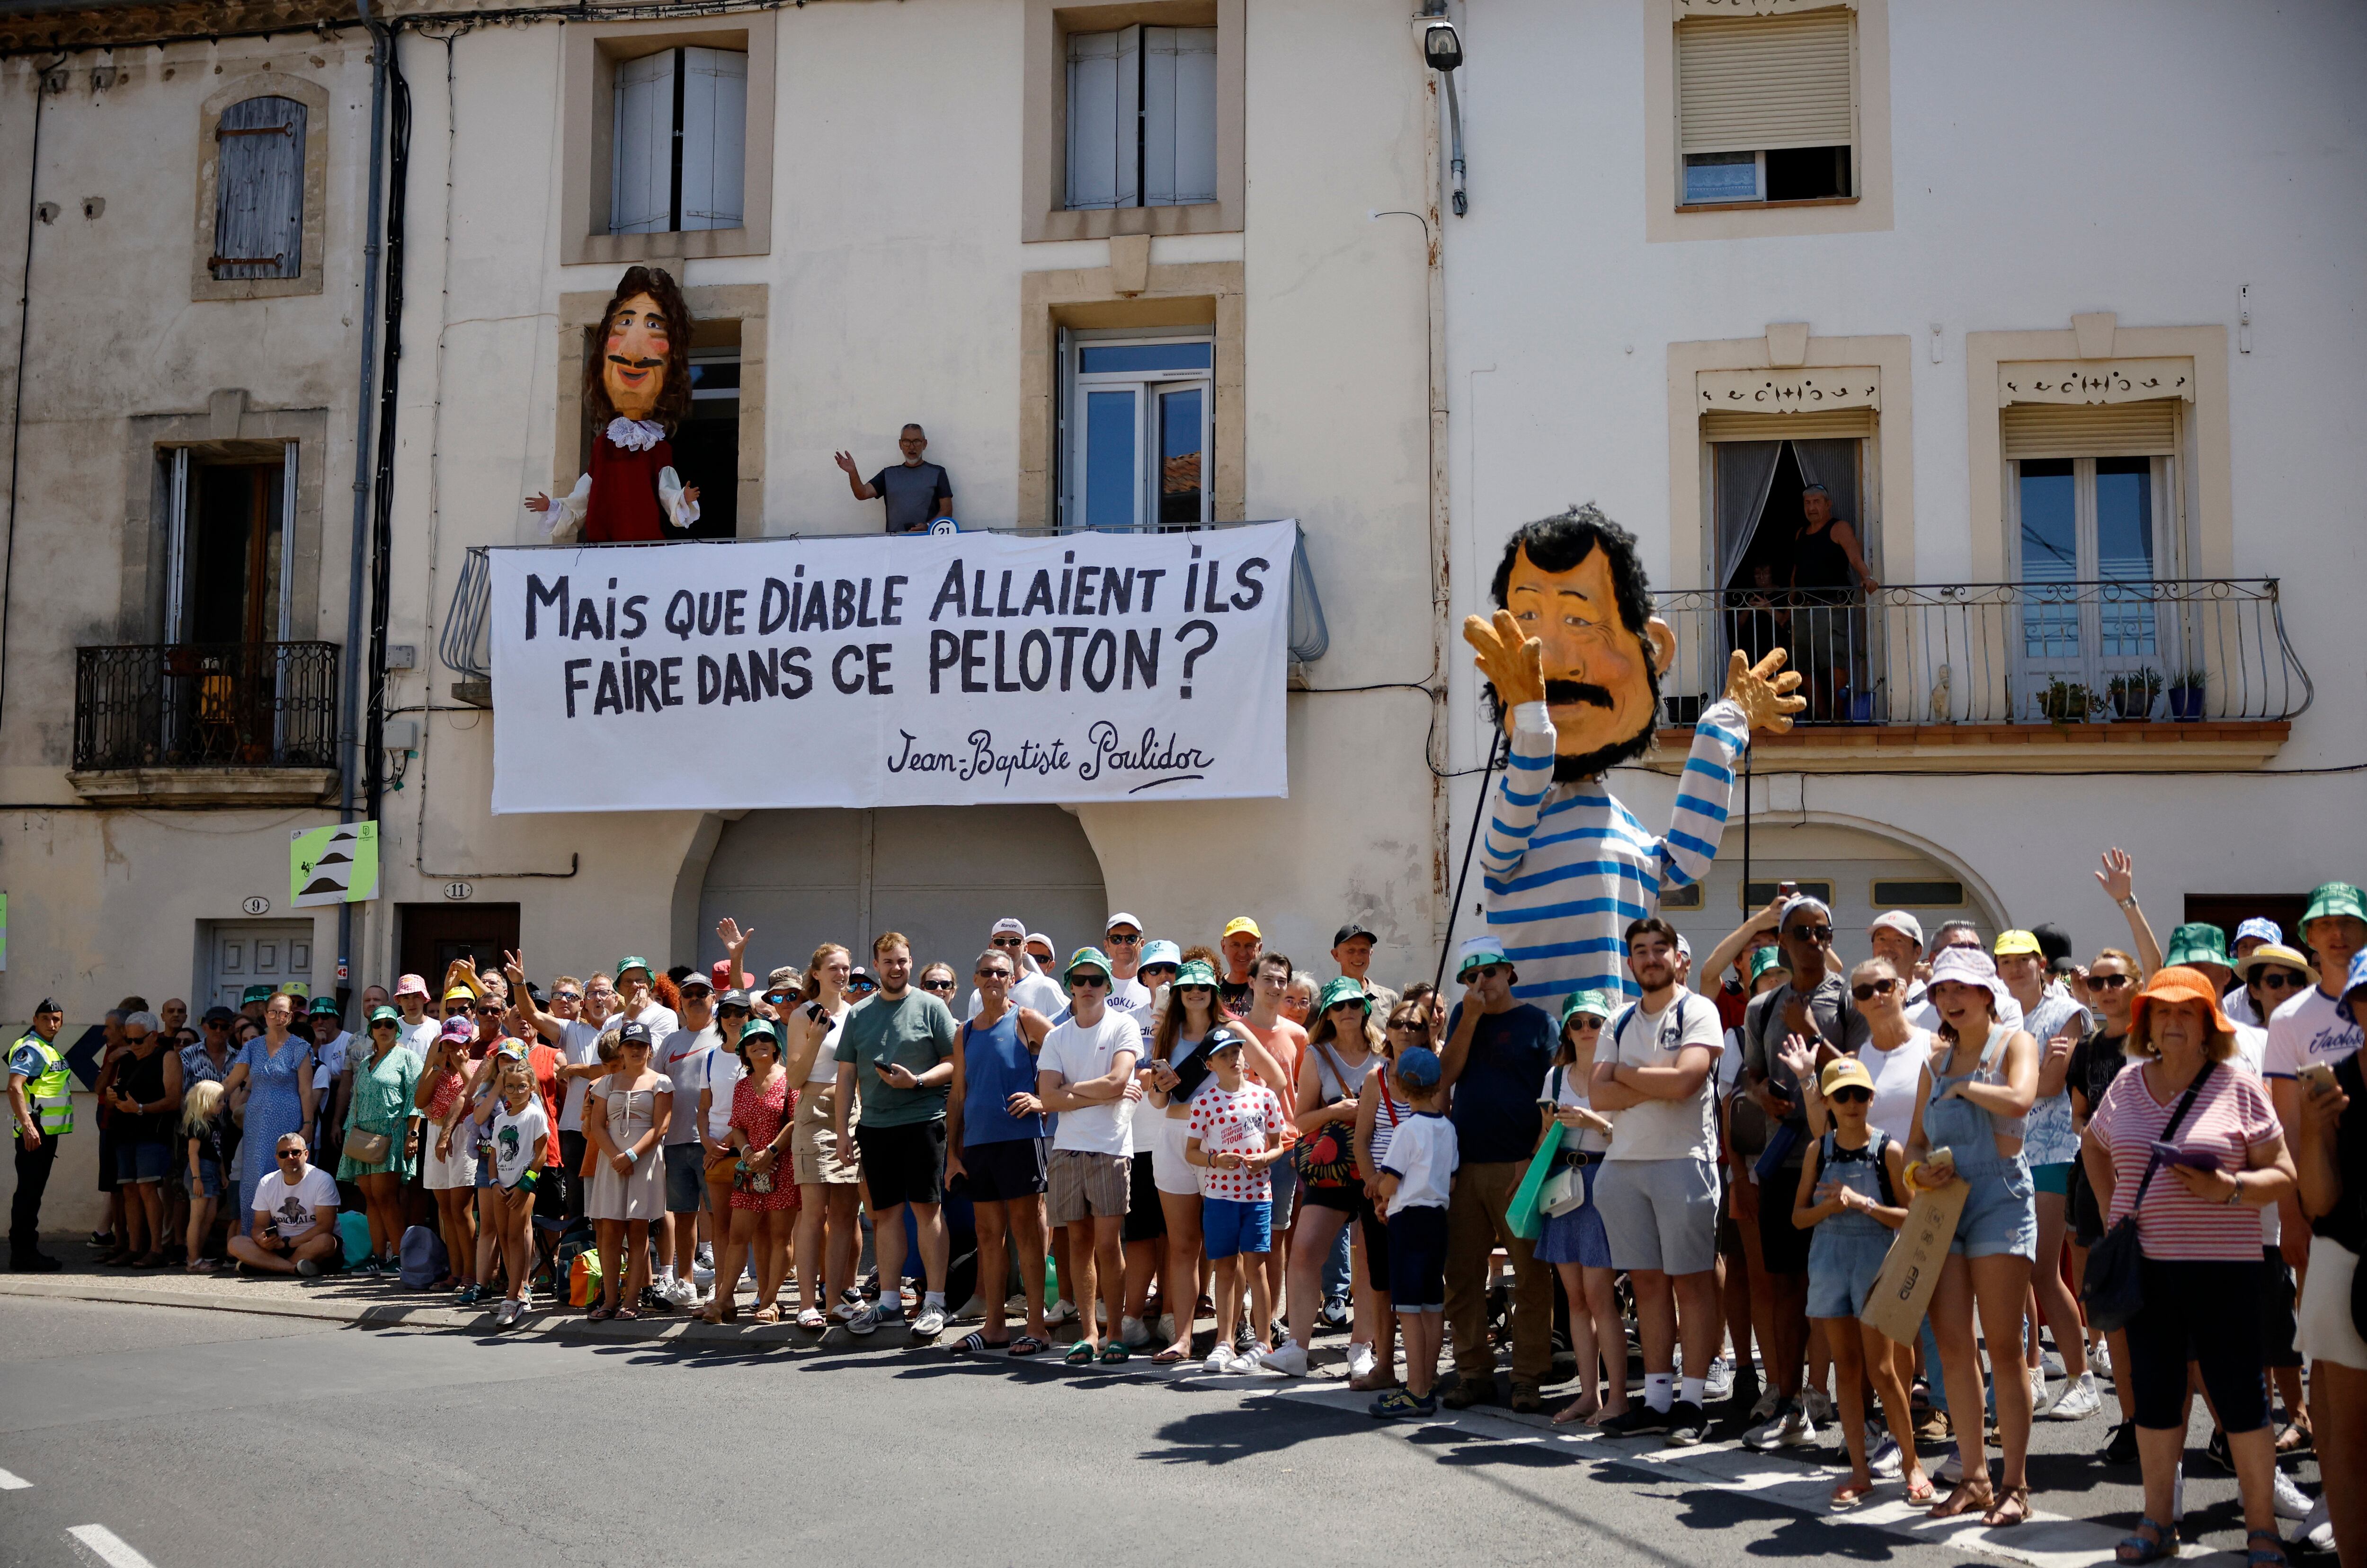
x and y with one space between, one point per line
228 567
1767 108
1779 585
1137 414
706 444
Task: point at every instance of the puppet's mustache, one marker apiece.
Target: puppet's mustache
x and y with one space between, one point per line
635 364
1561 692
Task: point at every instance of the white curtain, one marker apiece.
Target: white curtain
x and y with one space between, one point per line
1833 464
1746 470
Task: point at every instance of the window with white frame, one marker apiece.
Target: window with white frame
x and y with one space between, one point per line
1137 420
1767 108
1142 118
680 141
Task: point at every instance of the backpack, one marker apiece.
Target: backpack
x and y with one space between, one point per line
422 1257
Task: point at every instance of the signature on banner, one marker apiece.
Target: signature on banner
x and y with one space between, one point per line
1108 753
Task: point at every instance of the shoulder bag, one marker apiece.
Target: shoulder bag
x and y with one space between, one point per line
2115 1294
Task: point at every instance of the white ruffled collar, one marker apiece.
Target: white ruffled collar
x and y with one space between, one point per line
635 434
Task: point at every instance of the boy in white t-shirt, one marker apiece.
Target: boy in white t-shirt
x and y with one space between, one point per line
295 1228
1417 1176
1234 1137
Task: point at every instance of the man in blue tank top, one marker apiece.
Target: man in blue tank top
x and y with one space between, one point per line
997 1145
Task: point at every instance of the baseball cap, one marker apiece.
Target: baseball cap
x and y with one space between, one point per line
859 973
2010 943
1842 1072
1085 958
2266 930
1476 950
1008 926
734 998
1597 1003
1035 937
459 1028
2197 942
1419 1067
461 993
1684 947
255 994
625 965
1902 922
410 986
2055 943
634 1032
697 979
2330 898
1342 989
1241 925
1161 952
214 1014
718 976
292 988
1121 918
1350 931
377 1015
1224 1040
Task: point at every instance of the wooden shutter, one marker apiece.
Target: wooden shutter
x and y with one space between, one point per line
1823 423
2090 430
641 191
1746 83
1104 97
259 190
1178 116
714 137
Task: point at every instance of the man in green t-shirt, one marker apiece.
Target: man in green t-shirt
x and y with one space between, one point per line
899 1045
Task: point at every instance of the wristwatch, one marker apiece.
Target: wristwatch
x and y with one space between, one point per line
2129 903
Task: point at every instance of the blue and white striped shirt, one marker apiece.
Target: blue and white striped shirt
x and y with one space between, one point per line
1566 867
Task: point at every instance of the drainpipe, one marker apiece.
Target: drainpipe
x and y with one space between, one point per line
350 740
24 327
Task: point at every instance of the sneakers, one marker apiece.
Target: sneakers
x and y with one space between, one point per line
1059 1312
2038 1397
1251 1359
1222 1362
506 1315
1290 1359
1468 1392
2100 1359
1792 1426
308 1268
1765 1409
1882 1455
2316 1531
2121 1447
1133 1333
1688 1427
2215 1450
705 1257
1397 1405
681 1295
1818 1404
1334 1313
31 1262
863 1322
1360 1359
2075 1400
929 1325
1641 1421
1717 1386
2290 1503
974 1310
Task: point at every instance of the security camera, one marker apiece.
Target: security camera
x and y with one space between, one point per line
1442 46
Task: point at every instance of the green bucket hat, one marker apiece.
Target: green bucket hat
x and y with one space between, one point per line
641 964
2333 899
1479 951
1085 958
255 994
384 1015
758 1029
1763 959
2198 941
1595 1002
1199 972
1342 989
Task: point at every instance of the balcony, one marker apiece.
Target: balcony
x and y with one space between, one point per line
466 646
249 723
2057 677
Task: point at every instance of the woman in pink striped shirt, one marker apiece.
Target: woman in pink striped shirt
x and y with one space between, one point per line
2199 1228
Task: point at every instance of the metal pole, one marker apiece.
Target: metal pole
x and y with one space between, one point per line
1446 945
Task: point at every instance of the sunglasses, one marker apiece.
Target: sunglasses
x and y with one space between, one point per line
491 1009
1814 933
991 973
1853 1095
2279 980
1488 971
1410 1025
936 985
1152 974
453 1010
378 1024
777 995
862 985
1350 1006
735 1010
1006 942
1117 939
291 1154
1586 1021
2107 982
1874 989
1098 982
567 995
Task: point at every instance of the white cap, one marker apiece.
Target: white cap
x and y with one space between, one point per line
1683 946
1008 926
1902 922
1039 936
1120 918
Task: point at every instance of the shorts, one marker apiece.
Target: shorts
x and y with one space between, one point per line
1146 1217
209 1178
1418 1259
685 1178
1842 1264
445 1174
485 1179
2051 1177
1659 1213
813 1142
141 1161
1373 1228
2000 1215
1344 1198
1229 1228
1783 1246
1006 1169
2328 1333
1081 1185
2279 1342
902 1165
1169 1171
1576 1236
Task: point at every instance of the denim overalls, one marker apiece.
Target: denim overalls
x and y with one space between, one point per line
1846 1250
2001 1215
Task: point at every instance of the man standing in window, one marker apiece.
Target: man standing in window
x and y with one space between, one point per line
917 493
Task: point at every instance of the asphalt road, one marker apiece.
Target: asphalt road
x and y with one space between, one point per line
212 1438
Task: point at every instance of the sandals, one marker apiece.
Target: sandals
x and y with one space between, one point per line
813 1321
1114 1353
2009 1510
2138 1549
1576 1410
1167 1358
1850 1494
601 1314
1028 1344
1080 1354
626 1314
768 1313
2270 1556
2295 1440
1918 1491
1968 1496
978 1344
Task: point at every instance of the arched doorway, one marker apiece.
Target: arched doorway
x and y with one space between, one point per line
941 874
1860 872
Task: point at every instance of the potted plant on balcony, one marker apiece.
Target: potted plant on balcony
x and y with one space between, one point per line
2186 695
2133 694
2067 701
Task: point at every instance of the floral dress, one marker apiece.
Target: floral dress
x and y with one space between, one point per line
381 1103
275 1107
760 1116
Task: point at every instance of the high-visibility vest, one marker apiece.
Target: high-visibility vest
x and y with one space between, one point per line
50 1089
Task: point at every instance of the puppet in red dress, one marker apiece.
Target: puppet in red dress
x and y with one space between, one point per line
640 387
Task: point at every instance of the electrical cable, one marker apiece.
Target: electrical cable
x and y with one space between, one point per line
17 402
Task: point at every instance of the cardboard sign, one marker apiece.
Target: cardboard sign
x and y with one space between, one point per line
1910 1271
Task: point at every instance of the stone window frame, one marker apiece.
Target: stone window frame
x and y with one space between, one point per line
1044 121
747 306
1868 211
309 278
590 52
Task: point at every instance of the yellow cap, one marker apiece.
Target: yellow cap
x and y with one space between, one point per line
1241 925
2010 942
1841 1073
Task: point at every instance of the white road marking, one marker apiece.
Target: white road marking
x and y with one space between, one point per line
12 1481
108 1547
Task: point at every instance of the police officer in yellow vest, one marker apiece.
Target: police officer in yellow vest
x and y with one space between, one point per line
40 1106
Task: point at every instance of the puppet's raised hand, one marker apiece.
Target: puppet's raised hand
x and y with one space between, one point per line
1513 664
1763 696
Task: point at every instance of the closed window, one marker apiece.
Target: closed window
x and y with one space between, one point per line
681 133
259 190
1142 118
1767 108
1137 416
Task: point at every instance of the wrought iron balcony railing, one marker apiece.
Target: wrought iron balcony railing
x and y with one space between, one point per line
2001 652
253 705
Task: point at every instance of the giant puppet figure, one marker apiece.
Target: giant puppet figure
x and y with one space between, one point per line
638 391
1574 658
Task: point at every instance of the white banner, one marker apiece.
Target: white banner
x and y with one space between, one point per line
918 670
